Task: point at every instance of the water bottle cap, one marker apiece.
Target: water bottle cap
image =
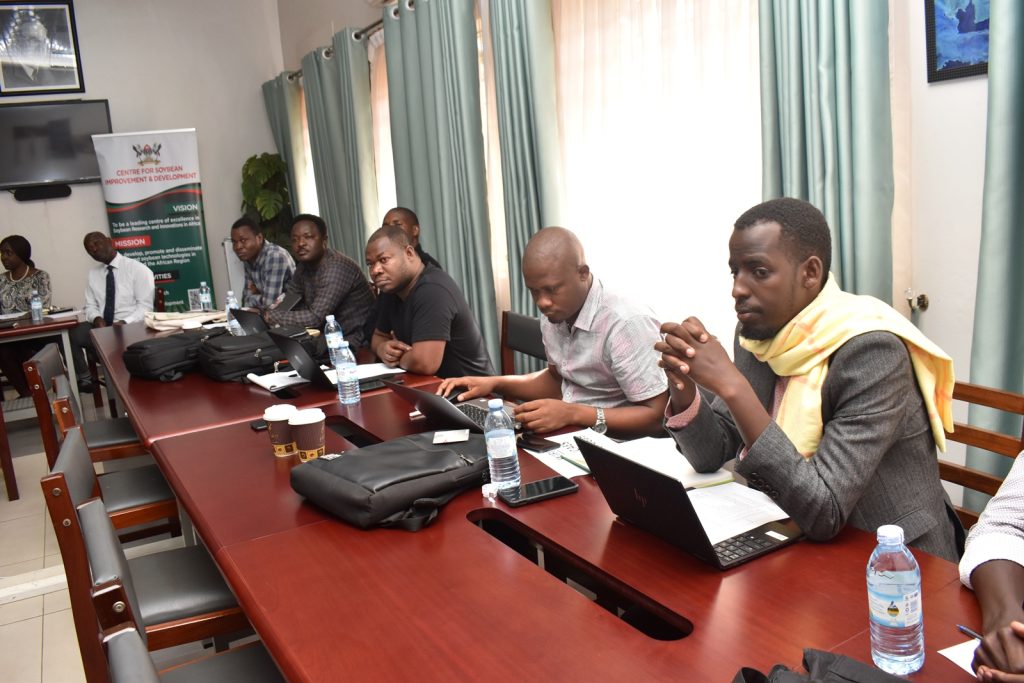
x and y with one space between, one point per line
329 318
230 293
495 404
202 283
890 533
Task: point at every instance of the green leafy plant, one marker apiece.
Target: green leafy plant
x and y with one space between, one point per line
265 195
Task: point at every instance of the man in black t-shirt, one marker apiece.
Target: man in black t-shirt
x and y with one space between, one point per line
424 324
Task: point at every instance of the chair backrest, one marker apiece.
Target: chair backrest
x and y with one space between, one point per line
66 411
994 442
61 488
107 562
40 371
127 657
75 464
519 333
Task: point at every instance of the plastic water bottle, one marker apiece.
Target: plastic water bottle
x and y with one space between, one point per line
894 603
36 306
205 300
333 337
348 377
230 304
502 455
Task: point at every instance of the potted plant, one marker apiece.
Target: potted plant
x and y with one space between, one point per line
265 195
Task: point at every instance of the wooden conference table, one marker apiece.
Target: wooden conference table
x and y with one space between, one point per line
452 602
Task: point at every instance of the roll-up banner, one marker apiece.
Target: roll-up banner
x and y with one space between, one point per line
154 203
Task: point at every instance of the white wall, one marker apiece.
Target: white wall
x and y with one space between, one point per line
947 173
180 64
309 24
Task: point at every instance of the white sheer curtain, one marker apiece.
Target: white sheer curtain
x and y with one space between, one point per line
659 109
380 110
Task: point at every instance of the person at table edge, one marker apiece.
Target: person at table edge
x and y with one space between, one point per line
601 371
993 567
328 281
835 403
424 323
268 267
134 289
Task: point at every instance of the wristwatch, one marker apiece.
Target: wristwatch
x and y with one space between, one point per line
600 426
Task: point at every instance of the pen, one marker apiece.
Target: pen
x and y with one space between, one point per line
968 632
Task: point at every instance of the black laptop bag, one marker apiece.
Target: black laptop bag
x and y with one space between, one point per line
229 358
167 358
400 484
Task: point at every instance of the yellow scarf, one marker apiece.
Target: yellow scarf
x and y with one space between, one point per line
802 348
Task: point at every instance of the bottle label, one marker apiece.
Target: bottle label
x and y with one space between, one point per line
501 446
889 607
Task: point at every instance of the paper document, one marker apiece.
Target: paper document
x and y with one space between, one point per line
731 509
662 456
279 380
566 459
962 655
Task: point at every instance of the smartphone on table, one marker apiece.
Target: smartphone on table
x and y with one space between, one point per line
534 491
532 442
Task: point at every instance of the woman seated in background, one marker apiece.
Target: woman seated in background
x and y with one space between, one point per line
16 286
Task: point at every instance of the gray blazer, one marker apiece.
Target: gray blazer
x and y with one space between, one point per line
876 462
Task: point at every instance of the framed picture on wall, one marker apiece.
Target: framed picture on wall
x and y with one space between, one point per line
957 37
39 48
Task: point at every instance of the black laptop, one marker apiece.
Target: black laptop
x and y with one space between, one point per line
659 504
467 415
308 367
251 322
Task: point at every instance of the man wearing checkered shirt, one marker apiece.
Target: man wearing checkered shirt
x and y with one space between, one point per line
268 267
328 281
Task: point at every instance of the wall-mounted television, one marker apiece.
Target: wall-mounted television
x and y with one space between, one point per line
50 143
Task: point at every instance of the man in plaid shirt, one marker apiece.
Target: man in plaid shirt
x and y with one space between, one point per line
328 281
268 267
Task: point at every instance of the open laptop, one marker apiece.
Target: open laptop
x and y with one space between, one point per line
659 504
251 322
468 414
308 367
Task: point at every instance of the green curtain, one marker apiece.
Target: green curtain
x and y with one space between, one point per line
282 97
337 90
997 349
825 126
437 141
524 73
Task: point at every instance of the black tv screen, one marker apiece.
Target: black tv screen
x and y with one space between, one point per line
43 143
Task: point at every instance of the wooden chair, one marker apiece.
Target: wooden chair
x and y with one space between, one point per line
40 370
994 442
133 497
7 462
129 662
179 595
108 439
519 333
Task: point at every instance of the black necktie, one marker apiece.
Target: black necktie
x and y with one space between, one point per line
108 303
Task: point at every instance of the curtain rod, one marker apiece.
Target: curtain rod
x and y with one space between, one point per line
364 32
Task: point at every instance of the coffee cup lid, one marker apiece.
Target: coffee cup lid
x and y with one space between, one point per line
307 416
279 411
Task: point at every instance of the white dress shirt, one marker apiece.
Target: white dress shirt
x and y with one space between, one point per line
133 290
999 533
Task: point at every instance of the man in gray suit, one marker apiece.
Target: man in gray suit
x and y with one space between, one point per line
834 403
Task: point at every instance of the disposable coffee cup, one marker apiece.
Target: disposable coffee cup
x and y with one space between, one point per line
308 433
280 432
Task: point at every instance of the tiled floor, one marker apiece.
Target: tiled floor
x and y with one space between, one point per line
37 634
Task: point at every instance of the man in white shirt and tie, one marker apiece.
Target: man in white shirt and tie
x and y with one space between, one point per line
119 290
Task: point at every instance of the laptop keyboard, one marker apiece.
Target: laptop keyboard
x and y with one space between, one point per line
736 548
474 412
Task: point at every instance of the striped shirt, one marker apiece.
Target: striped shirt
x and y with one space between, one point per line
607 358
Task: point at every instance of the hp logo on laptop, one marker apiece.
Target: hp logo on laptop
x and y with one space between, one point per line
640 498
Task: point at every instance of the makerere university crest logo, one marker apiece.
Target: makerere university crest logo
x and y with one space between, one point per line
148 154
